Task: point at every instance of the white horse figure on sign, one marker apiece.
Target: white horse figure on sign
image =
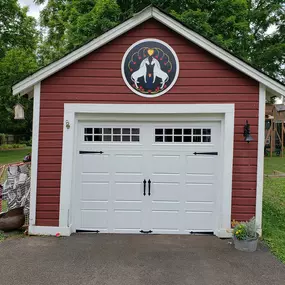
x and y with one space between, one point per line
142 71
157 72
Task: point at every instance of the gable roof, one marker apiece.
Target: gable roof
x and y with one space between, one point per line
26 85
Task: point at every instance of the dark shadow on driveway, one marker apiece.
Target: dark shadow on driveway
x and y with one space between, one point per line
86 259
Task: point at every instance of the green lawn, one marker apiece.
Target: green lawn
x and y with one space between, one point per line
11 156
274 163
274 207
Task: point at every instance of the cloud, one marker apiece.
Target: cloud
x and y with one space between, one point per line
34 10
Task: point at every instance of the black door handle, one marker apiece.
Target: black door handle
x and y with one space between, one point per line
149 182
144 184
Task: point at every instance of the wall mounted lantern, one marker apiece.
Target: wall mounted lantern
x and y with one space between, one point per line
246 133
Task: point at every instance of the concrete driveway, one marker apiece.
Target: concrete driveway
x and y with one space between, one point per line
85 259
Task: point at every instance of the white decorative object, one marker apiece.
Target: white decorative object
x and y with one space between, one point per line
19 112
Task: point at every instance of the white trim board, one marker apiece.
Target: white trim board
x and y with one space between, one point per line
150 12
49 231
260 157
35 148
66 217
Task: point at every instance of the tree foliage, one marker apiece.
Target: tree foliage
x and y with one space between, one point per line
18 42
240 26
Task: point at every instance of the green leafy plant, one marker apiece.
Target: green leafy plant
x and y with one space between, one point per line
2 139
246 230
12 146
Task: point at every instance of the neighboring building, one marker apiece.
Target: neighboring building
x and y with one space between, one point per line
142 129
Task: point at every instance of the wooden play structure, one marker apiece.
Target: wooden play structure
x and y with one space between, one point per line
274 130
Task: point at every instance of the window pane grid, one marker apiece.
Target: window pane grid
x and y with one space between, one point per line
112 134
182 135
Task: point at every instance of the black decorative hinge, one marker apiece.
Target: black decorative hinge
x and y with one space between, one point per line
145 232
90 152
202 233
87 231
206 153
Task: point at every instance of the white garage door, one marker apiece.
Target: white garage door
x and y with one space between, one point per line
148 177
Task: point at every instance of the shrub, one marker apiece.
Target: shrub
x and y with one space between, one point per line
2 139
12 146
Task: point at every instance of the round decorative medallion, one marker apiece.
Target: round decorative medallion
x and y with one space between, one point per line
150 67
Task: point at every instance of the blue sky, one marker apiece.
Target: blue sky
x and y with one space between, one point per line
34 10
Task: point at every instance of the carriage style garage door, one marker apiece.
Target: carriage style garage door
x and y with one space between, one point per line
150 177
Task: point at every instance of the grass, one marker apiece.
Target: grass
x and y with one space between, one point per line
274 207
2 236
12 235
12 156
274 163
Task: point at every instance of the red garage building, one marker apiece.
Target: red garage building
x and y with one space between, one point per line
142 130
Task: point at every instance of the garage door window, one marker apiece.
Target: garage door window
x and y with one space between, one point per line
183 135
111 134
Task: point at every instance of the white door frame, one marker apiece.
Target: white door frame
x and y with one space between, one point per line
71 111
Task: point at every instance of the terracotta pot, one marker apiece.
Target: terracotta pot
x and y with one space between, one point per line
12 220
248 245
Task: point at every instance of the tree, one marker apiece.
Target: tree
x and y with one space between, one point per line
70 23
18 42
240 26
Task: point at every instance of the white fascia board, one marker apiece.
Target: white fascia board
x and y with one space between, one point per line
82 51
219 52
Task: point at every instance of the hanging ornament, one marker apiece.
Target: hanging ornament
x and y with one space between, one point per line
19 112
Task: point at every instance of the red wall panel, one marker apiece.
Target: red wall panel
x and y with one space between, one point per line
96 78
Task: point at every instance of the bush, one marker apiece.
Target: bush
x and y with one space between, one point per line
29 142
12 146
2 139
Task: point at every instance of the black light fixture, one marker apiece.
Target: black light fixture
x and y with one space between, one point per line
246 133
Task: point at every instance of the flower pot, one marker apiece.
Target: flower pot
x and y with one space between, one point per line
248 245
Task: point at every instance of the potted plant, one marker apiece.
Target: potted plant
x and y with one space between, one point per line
245 235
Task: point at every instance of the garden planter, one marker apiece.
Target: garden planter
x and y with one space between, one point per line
12 220
248 245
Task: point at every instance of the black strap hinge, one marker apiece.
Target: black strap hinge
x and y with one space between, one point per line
90 152
146 232
87 231
201 233
206 153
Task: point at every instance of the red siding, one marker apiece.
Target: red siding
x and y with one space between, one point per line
202 79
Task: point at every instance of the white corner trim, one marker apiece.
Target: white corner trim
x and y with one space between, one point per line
260 157
227 178
35 147
49 231
147 13
68 145
224 233
66 217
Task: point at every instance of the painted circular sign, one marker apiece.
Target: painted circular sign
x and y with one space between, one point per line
150 67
